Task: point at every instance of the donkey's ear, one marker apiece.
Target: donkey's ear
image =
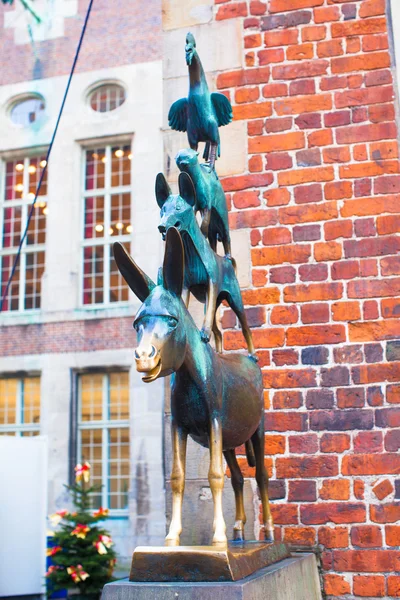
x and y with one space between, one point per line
140 284
173 267
186 189
162 190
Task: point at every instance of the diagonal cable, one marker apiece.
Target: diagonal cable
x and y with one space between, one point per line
17 256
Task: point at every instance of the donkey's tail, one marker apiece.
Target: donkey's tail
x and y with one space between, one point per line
251 457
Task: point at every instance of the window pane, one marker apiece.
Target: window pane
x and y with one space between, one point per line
119 290
12 226
31 400
118 480
8 401
37 226
95 169
93 270
91 451
120 165
120 214
107 97
35 168
27 111
118 407
94 217
33 279
91 397
11 301
14 188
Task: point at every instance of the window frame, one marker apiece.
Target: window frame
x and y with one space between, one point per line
19 427
106 241
103 425
25 203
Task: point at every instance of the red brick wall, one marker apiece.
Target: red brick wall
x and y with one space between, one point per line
118 33
321 202
67 336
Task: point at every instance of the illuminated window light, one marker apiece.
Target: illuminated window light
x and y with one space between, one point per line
129 228
30 196
43 163
99 228
19 187
119 226
119 153
130 156
104 159
45 211
111 231
19 167
31 169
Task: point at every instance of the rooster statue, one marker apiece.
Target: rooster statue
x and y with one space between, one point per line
201 113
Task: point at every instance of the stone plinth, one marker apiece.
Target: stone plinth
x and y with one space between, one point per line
294 578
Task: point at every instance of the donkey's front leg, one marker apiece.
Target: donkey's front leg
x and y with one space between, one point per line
211 302
216 480
179 438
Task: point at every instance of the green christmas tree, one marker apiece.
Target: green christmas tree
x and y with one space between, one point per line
83 556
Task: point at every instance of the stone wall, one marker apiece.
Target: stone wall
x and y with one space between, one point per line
318 201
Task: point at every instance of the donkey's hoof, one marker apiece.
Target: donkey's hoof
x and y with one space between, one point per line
172 541
205 335
238 535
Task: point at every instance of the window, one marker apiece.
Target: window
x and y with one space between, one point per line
107 97
107 217
21 180
27 111
103 435
20 406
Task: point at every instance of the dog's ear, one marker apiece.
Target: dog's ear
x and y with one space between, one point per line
187 189
163 191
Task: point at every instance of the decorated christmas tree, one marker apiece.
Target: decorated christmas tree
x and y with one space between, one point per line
82 555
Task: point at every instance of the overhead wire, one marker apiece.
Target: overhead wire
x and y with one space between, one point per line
22 240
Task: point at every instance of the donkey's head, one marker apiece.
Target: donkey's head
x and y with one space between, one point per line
176 210
159 323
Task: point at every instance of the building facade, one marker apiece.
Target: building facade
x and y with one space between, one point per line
66 348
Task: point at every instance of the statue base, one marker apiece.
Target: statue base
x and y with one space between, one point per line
294 578
204 563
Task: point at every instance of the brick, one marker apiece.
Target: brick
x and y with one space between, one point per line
392 535
378 78
246 199
308 158
247 94
276 236
307 233
274 444
300 52
388 417
302 491
277 143
371 247
327 251
359 489
287 399
351 398
285 357
289 378
337 420
336 585
334 442
362 187
373 353
278 160
368 442
300 176
374 561
303 444
271 55
393 586
308 193
285 421
279 255
371 43
276 90
315 313
348 354
388 184
383 489
276 490
300 536
257 8
393 391
326 14
317 399
338 229
277 6
255 127
313 292
359 27
335 376
381 112
302 87
364 97
330 48
262 338
314 356
231 11
336 155
372 288
335 489
371 8
282 275
252 111
371 464
346 311
292 19
369 585
302 104
368 267
385 513
307 68
388 224
365 133
264 296
374 396
313 33
364 227
338 190
255 164
242 182
252 218
243 77
346 269
315 334
370 169
293 215
277 197
390 307
313 272
366 536
284 315
252 41
285 514
306 467
374 330
338 118
363 62
281 38
334 512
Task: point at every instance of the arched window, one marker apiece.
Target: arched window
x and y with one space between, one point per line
28 110
107 97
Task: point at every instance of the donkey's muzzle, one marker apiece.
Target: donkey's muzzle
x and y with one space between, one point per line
148 361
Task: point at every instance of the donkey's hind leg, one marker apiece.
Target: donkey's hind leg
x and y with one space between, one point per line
262 481
237 484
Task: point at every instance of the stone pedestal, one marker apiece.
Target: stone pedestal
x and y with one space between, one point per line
294 578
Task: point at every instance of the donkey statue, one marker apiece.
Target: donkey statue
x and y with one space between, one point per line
216 399
211 278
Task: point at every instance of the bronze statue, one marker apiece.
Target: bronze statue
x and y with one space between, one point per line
209 277
201 113
210 199
216 399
